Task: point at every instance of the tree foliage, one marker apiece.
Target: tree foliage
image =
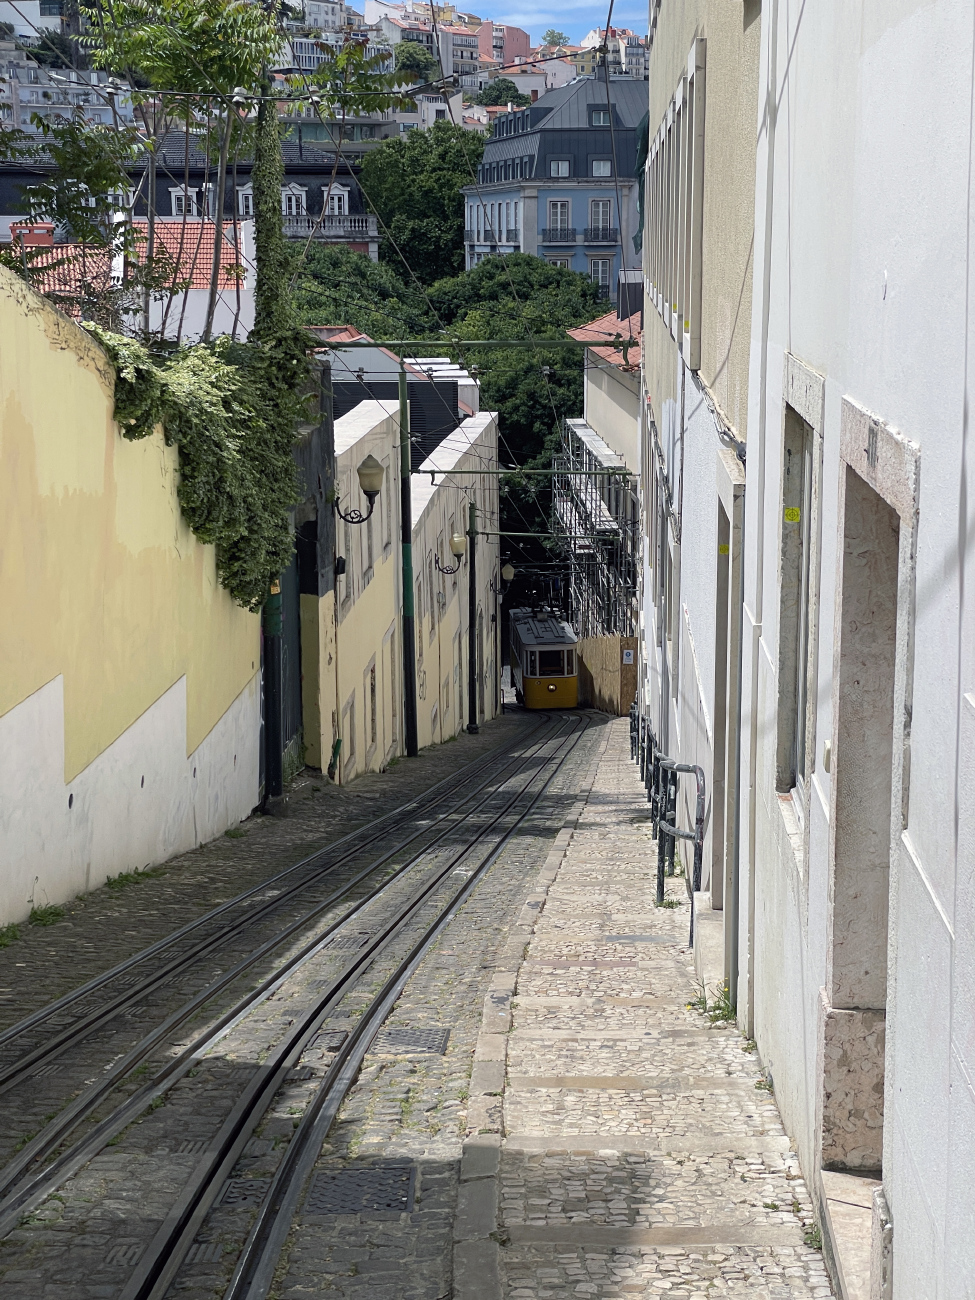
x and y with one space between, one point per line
502 91
413 184
416 62
237 478
335 286
554 37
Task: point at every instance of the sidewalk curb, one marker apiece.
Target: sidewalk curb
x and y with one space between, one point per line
477 1239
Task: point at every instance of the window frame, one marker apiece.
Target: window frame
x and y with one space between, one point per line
559 175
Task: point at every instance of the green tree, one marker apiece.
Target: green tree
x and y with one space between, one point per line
413 184
555 37
416 62
334 286
55 50
502 91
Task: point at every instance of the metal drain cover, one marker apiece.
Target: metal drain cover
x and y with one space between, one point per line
244 1191
432 1039
378 1189
349 942
205 1252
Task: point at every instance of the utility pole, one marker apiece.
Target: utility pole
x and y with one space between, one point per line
409 625
472 623
273 757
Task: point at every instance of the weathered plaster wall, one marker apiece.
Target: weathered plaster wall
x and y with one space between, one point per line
114 607
862 221
613 407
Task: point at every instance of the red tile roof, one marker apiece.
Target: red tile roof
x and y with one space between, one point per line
190 245
608 327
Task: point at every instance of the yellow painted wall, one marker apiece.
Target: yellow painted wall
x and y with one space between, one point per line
103 581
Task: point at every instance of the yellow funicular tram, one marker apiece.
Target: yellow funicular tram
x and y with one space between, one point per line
544 660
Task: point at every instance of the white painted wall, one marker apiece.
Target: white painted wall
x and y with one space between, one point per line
139 802
863 228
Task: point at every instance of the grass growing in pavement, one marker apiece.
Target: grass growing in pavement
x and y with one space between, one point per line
126 878
234 834
669 902
9 934
45 915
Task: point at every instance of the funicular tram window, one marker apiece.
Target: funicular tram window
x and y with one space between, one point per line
532 667
570 667
550 663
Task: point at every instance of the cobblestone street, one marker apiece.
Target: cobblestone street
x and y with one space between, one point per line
548 1111
640 1152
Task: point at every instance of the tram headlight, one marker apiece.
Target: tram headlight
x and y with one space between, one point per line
551 686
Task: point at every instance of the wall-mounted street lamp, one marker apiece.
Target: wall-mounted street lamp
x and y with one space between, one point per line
458 549
370 474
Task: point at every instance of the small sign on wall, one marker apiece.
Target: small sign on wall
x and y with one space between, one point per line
627 656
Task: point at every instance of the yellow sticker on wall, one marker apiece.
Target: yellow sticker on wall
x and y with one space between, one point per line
724 548
792 515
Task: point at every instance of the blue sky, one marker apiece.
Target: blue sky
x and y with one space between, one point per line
574 17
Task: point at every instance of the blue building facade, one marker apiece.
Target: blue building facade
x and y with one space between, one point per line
557 181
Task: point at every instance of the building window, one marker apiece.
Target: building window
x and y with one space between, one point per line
558 167
293 201
245 202
439 114
602 167
600 117
185 203
675 210
795 552
338 201
600 217
600 270
559 261
558 214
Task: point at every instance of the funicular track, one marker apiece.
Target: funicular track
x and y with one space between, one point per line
491 817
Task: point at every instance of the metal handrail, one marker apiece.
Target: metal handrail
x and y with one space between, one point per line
660 775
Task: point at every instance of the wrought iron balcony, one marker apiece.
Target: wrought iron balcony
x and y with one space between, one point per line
355 225
559 235
604 291
514 236
602 235
469 235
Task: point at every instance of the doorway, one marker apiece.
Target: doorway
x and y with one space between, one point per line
862 763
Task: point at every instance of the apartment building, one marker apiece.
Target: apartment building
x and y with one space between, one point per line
625 51
557 180
502 43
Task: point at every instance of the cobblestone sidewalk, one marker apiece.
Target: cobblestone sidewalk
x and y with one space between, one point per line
641 1152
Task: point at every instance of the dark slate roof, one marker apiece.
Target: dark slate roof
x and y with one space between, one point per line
568 106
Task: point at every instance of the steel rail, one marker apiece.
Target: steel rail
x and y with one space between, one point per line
162 1259
15 1073
98 981
20 1199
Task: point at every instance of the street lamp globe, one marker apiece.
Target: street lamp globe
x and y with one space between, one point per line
507 572
370 474
458 545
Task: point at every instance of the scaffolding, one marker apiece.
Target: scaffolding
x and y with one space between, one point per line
596 515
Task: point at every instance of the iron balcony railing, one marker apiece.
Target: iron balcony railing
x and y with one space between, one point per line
469 235
514 236
602 235
559 235
604 291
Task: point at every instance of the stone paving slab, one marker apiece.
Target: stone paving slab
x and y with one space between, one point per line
638 1150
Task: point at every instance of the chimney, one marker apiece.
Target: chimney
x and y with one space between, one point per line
33 234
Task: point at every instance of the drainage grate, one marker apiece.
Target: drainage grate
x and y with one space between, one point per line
46 1070
380 1189
330 1040
432 1039
126 1255
191 1146
349 942
244 1191
205 1252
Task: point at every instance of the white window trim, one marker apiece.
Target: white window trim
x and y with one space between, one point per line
178 192
299 192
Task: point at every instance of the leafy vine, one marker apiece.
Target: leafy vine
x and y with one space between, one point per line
226 409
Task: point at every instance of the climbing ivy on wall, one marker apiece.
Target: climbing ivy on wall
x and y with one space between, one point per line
233 420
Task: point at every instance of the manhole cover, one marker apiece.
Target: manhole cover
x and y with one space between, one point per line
380 1189
244 1191
433 1039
